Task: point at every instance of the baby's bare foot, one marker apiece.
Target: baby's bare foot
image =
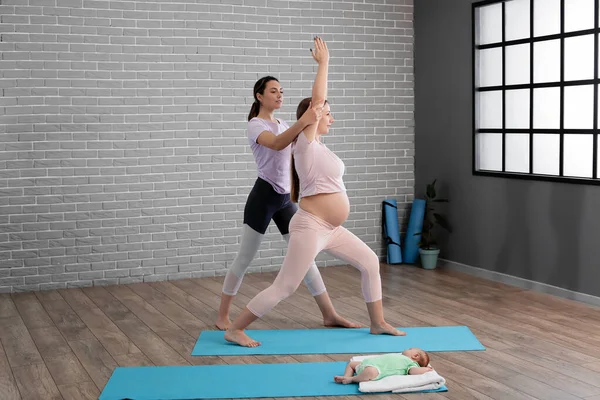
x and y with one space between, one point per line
386 329
240 337
223 323
339 321
342 379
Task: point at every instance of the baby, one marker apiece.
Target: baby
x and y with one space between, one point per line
411 362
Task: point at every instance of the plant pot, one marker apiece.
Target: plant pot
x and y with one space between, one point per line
429 258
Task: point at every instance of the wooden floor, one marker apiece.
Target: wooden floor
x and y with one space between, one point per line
66 343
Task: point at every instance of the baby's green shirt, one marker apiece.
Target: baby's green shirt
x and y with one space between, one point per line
388 364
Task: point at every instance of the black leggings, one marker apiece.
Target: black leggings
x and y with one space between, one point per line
264 204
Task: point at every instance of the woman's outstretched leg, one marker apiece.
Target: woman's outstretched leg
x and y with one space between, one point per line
305 243
313 279
349 248
314 282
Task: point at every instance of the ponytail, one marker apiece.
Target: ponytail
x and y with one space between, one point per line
295 191
259 88
254 110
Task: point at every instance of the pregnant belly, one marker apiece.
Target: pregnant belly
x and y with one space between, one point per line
331 207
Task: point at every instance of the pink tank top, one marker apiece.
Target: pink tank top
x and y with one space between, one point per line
318 168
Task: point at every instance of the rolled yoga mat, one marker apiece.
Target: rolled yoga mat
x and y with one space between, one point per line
339 341
415 225
236 381
391 232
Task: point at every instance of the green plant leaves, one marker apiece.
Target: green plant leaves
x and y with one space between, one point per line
432 218
431 190
441 220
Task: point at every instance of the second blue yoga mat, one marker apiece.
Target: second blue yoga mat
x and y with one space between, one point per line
229 382
410 252
339 341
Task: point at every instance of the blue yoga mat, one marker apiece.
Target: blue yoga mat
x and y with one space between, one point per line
229 382
415 225
391 232
339 341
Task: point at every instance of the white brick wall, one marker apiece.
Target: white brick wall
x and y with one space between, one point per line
123 153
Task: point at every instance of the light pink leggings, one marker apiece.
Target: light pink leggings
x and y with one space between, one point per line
310 235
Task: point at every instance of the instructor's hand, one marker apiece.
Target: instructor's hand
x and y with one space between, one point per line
312 115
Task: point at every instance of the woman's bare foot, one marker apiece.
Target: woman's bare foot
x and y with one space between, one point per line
240 337
342 379
223 322
336 320
386 329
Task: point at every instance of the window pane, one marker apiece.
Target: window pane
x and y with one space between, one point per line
489 110
546 154
598 48
489 151
517 152
578 155
489 26
546 17
517 108
579 107
598 165
517 64
516 19
598 111
546 61
490 67
546 108
579 57
579 15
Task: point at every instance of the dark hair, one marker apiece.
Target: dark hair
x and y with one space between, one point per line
259 87
295 190
303 106
424 361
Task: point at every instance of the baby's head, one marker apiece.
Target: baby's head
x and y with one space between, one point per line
418 355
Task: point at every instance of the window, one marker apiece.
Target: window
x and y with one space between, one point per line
535 83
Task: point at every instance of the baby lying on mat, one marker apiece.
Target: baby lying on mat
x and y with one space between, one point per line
412 361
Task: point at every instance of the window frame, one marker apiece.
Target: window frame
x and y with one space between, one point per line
595 82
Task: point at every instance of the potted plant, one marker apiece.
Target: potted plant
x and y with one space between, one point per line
428 249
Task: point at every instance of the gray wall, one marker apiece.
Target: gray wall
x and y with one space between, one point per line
542 231
123 152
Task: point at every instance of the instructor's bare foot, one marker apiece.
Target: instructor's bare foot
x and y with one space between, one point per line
339 321
386 329
223 322
342 379
240 337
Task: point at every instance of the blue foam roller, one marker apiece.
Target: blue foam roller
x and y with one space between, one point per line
391 232
415 225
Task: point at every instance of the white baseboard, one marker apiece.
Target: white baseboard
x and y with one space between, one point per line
520 282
